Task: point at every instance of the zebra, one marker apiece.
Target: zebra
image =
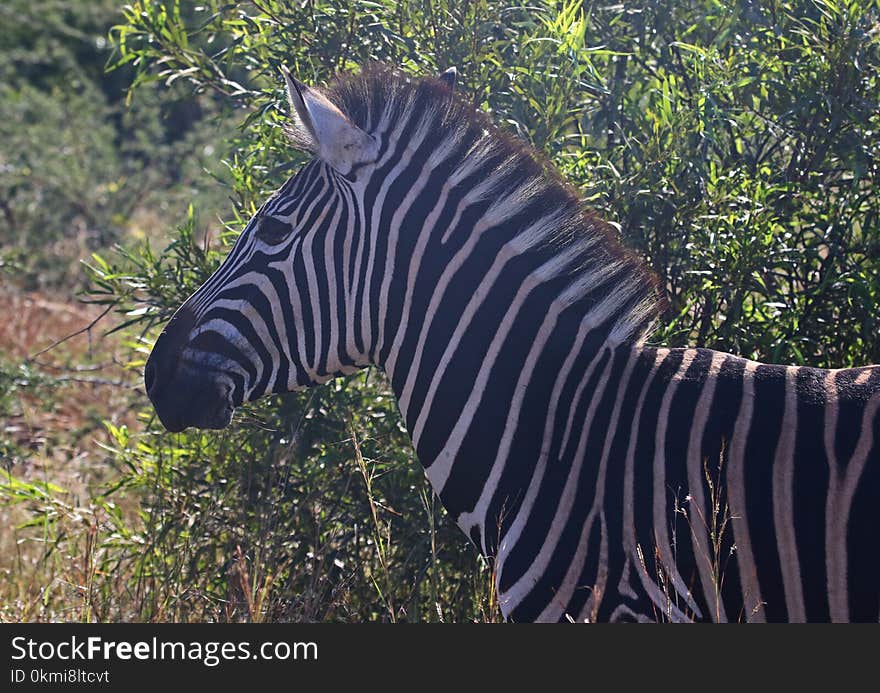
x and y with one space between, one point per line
606 479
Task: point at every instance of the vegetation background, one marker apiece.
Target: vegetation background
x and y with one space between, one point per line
733 143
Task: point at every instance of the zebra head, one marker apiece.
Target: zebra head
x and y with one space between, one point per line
381 249
281 313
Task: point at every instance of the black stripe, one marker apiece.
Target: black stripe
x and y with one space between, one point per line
322 281
300 280
394 196
811 490
411 231
863 547
214 343
527 441
760 452
249 293
614 485
863 540
851 401
314 186
589 573
453 392
472 348
643 482
339 236
374 239
716 440
464 283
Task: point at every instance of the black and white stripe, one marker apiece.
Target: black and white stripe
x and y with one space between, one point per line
608 479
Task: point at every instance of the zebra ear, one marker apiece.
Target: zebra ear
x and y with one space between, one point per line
449 77
319 127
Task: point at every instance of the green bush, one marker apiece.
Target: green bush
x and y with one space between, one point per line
734 146
81 165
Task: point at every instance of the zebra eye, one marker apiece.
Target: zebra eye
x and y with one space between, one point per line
271 230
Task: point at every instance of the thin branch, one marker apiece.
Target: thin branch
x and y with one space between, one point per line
94 381
87 328
8 213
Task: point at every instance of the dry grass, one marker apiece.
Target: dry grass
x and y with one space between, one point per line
87 374
51 426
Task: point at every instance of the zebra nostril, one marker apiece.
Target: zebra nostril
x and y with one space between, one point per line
150 375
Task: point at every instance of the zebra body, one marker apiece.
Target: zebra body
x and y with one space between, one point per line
609 480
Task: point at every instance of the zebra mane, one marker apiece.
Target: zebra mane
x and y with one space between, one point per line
379 100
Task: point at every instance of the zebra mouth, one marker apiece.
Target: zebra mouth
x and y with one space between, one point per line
221 417
217 406
208 407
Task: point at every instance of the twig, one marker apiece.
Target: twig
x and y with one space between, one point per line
94 381
8 213
87 328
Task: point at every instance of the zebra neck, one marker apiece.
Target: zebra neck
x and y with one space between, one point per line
451 375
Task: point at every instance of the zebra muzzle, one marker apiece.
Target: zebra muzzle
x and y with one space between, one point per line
183 396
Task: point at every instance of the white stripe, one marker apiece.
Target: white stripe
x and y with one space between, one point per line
631 546
590 611
701 522
783 503
835 539
736 489
661 502
839 508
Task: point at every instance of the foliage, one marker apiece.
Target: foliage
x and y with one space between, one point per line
78 169
734 145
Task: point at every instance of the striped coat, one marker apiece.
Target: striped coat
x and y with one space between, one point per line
607 479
